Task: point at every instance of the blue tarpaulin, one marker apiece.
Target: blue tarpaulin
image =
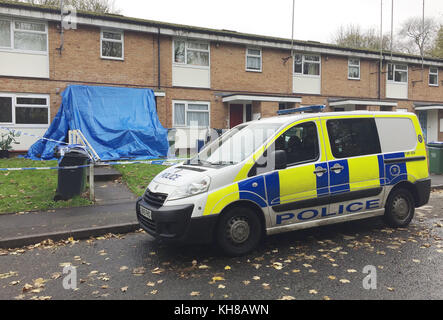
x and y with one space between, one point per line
119 123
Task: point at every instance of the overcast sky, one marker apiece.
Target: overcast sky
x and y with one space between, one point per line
314 19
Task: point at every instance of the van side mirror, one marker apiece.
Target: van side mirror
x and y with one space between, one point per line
280 158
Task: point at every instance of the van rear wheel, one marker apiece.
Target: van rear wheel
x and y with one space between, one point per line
400 208
239 231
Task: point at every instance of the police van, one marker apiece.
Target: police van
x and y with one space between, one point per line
289 173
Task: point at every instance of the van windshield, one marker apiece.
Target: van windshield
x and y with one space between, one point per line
236 145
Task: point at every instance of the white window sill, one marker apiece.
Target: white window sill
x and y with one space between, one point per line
300 75
112 59
10 50
254 70
358 79
398 83
190 66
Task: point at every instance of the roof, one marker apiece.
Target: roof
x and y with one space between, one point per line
228 33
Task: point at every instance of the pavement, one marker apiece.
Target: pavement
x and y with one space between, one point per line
114 212
437 180
349 261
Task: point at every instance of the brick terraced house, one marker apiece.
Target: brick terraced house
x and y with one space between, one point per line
216 78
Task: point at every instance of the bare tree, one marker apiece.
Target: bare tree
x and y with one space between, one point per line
437 50
416 38
99 6
353 36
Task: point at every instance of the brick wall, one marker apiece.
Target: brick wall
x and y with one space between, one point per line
80 63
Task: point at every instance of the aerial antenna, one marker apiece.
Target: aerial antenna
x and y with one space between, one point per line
423 36
293 23
381 49
292 34
62 30
392 29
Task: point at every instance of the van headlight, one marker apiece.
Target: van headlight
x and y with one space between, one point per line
191 189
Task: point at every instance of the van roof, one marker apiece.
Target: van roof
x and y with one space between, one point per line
288 119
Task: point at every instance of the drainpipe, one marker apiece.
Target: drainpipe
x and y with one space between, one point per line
159 59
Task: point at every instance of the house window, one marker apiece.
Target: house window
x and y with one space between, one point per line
5 34
194 53
433 77
354 69
30 36
187 114
112 45
24 109
5 109
286 105
22 36
253 60
398 73
308 65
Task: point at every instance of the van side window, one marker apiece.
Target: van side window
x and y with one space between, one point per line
300 143
353 137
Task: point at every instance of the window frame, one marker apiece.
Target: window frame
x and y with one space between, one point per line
329 137
354 66
394 70
248 55
6 95
292 165
187 103
15 97
186 64
434 74
303 61
122 41
11 35
12 48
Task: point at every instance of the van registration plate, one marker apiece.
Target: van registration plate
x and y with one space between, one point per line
146 213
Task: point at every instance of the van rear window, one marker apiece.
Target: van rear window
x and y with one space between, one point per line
396 134
353 137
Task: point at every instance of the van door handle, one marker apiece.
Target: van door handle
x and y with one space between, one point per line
337 168
320 171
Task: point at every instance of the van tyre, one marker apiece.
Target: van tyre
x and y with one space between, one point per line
400 208
239 231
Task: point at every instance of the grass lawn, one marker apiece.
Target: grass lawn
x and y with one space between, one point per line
138 176
25 191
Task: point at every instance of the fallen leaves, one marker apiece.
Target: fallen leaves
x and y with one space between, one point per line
158 271
8 275
139 271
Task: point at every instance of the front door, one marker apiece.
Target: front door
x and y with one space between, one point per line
235 115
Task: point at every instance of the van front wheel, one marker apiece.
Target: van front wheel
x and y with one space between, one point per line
400 208
239 231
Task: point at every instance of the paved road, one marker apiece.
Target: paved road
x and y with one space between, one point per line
319 263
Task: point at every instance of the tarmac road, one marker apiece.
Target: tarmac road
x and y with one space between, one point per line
321 263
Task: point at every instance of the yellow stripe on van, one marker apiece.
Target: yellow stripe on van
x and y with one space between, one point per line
299 181
364 173
219 199
243 174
